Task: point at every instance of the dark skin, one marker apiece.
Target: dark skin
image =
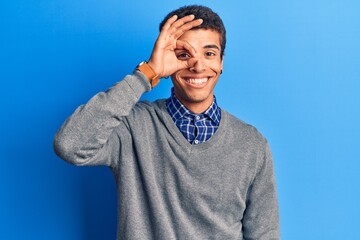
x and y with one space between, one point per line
168 41
191 57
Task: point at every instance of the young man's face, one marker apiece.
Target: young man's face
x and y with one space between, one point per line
194 86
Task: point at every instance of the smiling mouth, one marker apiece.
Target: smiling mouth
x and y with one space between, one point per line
196 81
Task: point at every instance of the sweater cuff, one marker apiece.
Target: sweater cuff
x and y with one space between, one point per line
142 79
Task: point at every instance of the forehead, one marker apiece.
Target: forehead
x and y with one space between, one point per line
200 38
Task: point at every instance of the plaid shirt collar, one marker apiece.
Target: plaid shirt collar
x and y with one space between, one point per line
178 111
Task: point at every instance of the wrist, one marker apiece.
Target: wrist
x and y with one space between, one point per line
154 68
146 69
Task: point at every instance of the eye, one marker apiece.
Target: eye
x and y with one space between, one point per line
210 54
183 56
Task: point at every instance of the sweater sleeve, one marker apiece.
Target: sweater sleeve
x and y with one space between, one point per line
261 217
87 137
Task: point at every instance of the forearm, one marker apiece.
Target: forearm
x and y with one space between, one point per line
88 129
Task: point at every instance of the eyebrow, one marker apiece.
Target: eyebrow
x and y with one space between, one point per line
212 46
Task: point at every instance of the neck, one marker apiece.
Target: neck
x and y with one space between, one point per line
197 107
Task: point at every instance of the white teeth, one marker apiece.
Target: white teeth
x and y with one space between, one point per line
197 80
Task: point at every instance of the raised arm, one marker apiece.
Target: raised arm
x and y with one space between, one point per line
87 137
83 137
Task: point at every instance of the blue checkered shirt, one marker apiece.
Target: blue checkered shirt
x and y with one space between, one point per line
196 128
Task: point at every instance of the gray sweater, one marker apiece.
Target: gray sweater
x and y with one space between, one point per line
167 188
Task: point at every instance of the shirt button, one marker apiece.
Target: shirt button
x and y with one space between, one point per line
197 117
196 141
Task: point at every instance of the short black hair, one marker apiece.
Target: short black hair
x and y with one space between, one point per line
211 20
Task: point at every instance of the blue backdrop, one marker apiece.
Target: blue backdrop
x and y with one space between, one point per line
291 69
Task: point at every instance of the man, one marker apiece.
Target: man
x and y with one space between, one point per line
184 168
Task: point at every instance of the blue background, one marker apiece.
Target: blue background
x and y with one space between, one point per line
291 69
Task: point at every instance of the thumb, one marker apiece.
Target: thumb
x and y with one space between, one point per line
189 63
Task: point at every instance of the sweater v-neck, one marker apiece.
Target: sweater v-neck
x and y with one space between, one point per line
181 140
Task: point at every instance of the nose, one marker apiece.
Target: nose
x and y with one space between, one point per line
199 66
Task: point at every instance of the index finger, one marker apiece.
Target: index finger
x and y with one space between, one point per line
180 44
